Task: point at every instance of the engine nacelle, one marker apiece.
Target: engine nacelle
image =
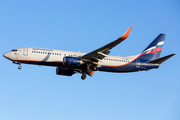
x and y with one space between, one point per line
72 61
64 71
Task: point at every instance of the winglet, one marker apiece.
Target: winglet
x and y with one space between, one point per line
127 33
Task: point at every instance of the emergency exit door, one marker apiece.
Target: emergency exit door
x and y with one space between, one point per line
138 63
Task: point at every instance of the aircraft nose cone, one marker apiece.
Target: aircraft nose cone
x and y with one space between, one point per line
5 55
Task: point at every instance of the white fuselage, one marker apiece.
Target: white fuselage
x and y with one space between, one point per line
50 55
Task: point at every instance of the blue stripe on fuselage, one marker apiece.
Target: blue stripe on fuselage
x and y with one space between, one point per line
131 67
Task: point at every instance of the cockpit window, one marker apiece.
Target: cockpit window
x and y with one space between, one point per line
14 50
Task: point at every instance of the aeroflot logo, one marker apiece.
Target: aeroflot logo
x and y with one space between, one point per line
155 48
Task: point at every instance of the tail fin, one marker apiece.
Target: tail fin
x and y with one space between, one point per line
153 51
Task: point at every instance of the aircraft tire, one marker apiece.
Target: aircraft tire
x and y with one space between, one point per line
83 77
19 67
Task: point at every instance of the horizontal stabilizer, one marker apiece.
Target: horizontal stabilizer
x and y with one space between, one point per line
161 60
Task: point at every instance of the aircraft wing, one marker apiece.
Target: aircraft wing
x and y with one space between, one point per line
102 52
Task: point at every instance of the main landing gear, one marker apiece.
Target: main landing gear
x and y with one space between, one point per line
83 77
88 72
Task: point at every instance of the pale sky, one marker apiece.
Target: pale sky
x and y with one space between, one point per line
37 93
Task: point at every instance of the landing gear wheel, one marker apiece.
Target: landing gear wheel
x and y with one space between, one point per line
19 67
89 71
83 76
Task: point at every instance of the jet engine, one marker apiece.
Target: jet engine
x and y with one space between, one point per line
64 71
72 61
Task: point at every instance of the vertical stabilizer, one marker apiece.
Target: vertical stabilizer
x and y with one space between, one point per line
153 51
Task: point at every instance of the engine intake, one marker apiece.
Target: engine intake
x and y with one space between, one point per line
72 61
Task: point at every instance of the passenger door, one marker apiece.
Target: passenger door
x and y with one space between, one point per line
25 51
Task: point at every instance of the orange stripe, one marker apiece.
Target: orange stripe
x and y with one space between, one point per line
65 60
61 62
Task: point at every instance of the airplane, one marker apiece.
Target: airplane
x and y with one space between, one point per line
69 62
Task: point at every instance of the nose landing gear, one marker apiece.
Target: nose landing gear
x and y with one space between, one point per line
19 67
16 62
